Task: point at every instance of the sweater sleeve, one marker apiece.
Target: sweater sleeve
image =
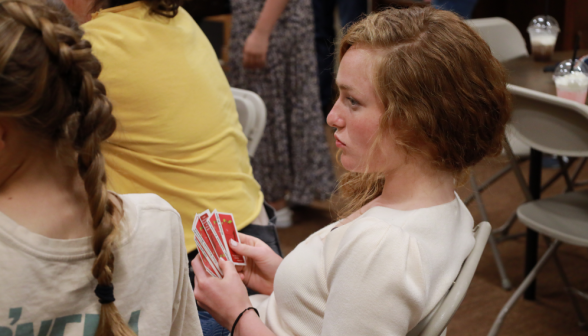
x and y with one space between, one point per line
185 315
376 283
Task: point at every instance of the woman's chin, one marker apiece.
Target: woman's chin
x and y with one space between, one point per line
352 166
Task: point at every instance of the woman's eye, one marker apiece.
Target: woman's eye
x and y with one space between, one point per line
352 101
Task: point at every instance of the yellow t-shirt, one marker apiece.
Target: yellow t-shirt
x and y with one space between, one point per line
178 132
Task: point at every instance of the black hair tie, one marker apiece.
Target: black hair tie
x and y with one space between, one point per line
105 293
239 317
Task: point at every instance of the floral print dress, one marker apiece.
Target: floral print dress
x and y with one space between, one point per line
293 156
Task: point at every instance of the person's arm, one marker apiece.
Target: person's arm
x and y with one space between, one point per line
185 315
376 283
256 45
185 319
272 9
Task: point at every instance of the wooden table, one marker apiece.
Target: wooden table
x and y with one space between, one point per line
529 74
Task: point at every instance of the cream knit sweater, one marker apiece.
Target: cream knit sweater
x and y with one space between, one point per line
377 275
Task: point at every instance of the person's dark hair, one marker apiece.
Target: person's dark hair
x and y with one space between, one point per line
49 85
444 94
167 8
398 4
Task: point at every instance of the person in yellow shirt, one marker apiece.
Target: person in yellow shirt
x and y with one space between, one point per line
179 134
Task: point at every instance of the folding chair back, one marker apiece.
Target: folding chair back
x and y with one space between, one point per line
252 116
436 322
548 123
503 37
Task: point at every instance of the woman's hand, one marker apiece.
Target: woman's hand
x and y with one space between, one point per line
223 298
255 50
262 263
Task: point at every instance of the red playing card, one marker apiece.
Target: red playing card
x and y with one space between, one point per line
216 245
230 232
210 269
210 263
200 224
207 254
216 223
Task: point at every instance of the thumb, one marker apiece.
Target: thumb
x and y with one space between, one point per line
243 249
226 267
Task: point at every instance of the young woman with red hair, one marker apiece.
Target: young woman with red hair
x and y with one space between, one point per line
421 101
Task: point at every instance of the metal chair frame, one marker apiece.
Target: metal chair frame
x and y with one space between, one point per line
553 245
493 31
559 127
435 323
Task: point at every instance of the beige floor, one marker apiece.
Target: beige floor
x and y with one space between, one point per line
550 314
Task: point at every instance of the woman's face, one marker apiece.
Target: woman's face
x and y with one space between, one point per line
356 116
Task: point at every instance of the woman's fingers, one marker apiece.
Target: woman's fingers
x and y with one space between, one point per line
246 239
244 249
246 60
262 60
253 61
227 267
198 267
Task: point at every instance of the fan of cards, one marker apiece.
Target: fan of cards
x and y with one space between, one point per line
212 233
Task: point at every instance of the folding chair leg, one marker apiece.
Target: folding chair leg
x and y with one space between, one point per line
564 169
505 170
580 293
505 228
501 271
578 170
570 292
517 294
506 285
518 174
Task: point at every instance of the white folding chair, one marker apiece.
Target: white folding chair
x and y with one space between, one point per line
506 43
503 37
559 127
252 116
435 323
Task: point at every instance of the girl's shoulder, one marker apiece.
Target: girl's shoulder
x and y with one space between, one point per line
435 217
150 217
426 232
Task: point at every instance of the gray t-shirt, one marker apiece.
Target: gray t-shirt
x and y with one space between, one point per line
47 288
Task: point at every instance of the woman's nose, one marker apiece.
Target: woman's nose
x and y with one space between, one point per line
334 118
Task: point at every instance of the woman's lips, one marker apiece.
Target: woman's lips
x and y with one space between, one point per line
338 142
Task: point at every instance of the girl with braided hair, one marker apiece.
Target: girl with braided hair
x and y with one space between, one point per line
68 246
